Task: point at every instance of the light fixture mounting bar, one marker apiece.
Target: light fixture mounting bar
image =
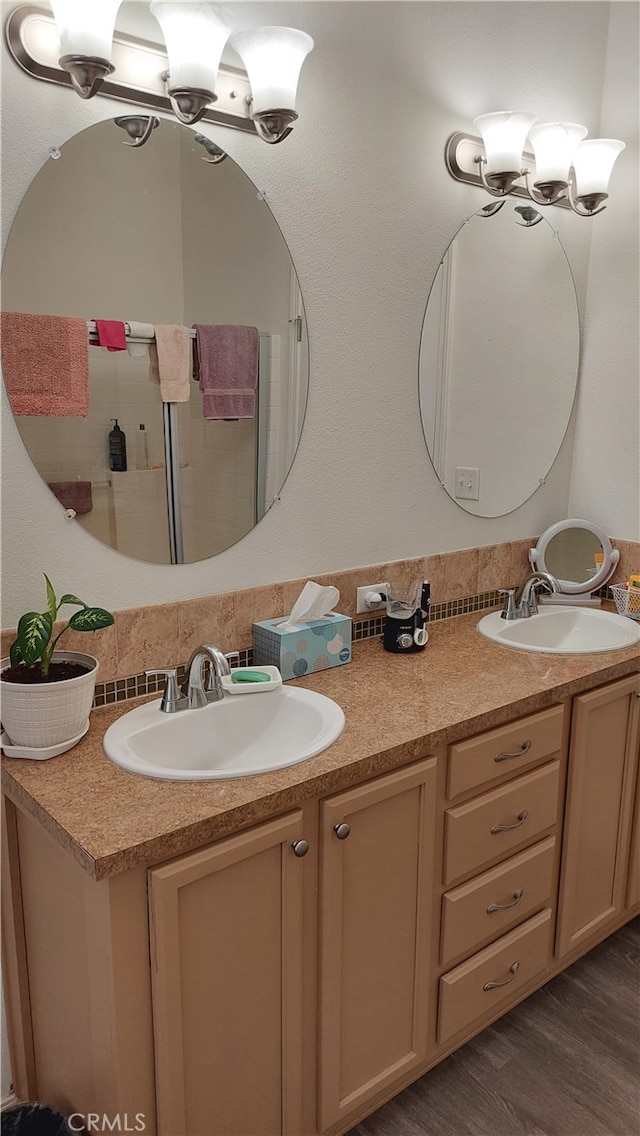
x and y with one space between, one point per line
33 42
460 154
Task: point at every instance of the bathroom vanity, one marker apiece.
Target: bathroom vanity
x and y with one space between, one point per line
284 953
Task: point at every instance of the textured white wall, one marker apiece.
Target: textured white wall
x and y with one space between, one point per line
605 482
362 195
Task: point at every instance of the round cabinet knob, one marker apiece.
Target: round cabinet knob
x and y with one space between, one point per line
405 640
300 847
342 830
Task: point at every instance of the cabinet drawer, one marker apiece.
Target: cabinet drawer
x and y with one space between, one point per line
491 979
513 747
499 899
491 826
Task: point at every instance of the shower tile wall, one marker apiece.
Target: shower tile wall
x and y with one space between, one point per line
217 480
71 449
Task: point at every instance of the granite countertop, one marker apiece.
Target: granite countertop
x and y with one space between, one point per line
397 708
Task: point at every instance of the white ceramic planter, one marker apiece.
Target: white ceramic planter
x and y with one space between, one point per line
44 714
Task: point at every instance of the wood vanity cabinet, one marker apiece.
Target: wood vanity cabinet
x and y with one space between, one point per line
226 977
600 851
290 978
500 869
633 882
377 917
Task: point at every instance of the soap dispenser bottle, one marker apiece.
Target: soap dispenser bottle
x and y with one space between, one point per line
117 448
142 448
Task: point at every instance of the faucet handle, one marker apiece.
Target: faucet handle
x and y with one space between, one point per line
212 682
172 696
509 610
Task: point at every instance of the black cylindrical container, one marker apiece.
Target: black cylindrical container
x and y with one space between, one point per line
117 449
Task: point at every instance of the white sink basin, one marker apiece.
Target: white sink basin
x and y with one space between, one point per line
560 630
236 737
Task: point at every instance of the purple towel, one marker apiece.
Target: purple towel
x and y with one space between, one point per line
74 495
225 364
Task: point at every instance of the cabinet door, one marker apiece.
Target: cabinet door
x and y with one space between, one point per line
603 759
633 883
226 940
375 932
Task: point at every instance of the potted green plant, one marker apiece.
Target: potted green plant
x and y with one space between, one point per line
47 693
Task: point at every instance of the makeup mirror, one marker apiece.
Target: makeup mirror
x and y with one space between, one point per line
169 232
499 358
579 554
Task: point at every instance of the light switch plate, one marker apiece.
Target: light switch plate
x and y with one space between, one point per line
467 483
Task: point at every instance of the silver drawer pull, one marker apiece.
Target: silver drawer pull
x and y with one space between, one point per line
494 985
342 830
300 847
517 896
524 748
507 827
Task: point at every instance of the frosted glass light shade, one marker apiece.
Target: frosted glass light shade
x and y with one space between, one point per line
273 59
86 27
593 162
194 37
554 144
504 133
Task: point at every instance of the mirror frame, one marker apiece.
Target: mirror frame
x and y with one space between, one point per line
575 588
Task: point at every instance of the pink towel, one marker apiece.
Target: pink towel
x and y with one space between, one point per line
45 362
74 495
169 362
225 364
111 334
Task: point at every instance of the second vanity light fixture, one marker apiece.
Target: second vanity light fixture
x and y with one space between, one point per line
195 36
569 170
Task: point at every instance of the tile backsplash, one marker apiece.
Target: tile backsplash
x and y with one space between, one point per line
164 635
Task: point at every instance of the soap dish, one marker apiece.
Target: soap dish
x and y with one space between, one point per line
39 753
275 679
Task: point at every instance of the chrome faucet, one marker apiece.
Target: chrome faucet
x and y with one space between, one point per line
521 603
194 689
195 692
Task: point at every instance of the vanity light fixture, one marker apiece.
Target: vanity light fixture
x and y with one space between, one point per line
195 39
77 46
273 58
216 153
86 33
563 169
530 216
138 126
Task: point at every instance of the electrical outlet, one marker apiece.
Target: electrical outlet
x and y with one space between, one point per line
362 593
467 484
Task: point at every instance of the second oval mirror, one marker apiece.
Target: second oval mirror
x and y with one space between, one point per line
499 358
160 234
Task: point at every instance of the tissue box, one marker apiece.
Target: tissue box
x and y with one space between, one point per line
315 646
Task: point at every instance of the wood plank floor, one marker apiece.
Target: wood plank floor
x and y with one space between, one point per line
564 1063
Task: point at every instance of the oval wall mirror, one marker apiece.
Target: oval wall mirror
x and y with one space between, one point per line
171 232
499 358
578 553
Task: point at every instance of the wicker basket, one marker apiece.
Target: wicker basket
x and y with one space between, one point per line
627 600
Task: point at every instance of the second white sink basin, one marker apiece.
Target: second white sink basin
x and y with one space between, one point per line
563 630
236 737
